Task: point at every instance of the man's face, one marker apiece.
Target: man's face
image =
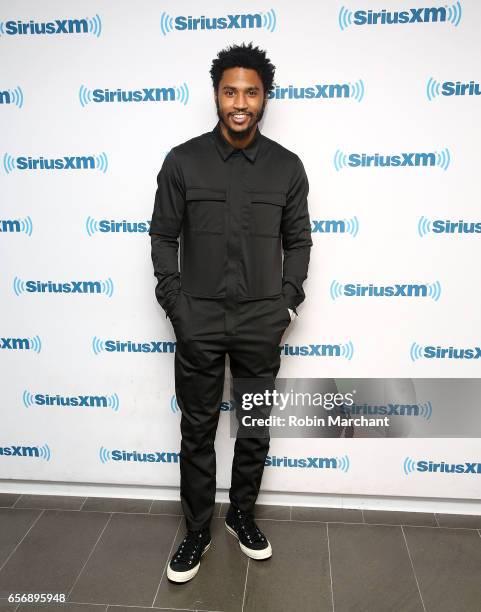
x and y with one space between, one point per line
240 101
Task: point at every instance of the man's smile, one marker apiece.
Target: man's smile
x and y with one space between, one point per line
239 118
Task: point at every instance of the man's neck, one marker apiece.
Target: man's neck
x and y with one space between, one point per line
239 144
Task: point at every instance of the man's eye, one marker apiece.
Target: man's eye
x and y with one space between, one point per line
253 92
228 93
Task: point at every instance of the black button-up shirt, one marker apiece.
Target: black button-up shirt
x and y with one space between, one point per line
236 211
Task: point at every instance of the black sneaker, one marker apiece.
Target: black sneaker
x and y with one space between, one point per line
185 564
252 541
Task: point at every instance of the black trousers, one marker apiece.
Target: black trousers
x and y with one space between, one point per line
206 330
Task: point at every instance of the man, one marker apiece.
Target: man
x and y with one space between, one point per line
237 200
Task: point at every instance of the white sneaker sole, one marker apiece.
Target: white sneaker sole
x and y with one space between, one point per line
189 574
258 555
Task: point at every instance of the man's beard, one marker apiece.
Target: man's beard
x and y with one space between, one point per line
243 133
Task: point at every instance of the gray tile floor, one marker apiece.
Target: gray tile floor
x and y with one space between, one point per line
111 555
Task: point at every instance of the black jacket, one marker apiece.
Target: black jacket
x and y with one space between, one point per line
235 211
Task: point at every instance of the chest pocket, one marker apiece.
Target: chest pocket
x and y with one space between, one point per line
266 213
205 210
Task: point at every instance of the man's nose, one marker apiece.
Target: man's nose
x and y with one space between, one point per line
240 101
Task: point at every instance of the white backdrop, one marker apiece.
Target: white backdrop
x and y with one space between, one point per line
381 225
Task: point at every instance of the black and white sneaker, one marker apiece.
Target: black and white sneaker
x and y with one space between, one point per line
185 564
252 541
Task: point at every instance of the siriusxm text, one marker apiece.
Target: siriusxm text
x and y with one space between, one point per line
156 457
405 290
451 352
15 344
229 22
445 226
313 350
448 468
413 15
59 26
364 160
387 409
20 451
118 346
33 286
112 226
335 90
59 163
451 88
95 401
153 94
301 462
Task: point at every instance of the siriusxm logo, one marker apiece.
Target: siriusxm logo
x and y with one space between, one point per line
355 91
446 226
335 226
434 14
16 226
242 21
432 290
110 226
129 346
39 452
12 96
35 286
439 352
21 344
451 88
442 467
320 463
106 455
88 401
423 410
86 25
320 350
365 160
224 406
84 162
175 93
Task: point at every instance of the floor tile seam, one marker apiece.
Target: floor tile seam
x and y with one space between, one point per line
99 511
84 502
359 523
90 554
20 541
220 510
17 500
438 526
113 606
413 568
245 585
167 562
330 566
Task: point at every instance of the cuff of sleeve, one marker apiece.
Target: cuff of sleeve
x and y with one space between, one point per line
291 301
291 312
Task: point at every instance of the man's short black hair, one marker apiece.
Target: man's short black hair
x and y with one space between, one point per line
243 56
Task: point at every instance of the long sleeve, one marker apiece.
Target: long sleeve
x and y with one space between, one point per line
296 239
165 229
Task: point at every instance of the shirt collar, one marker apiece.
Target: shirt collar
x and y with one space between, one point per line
226 149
